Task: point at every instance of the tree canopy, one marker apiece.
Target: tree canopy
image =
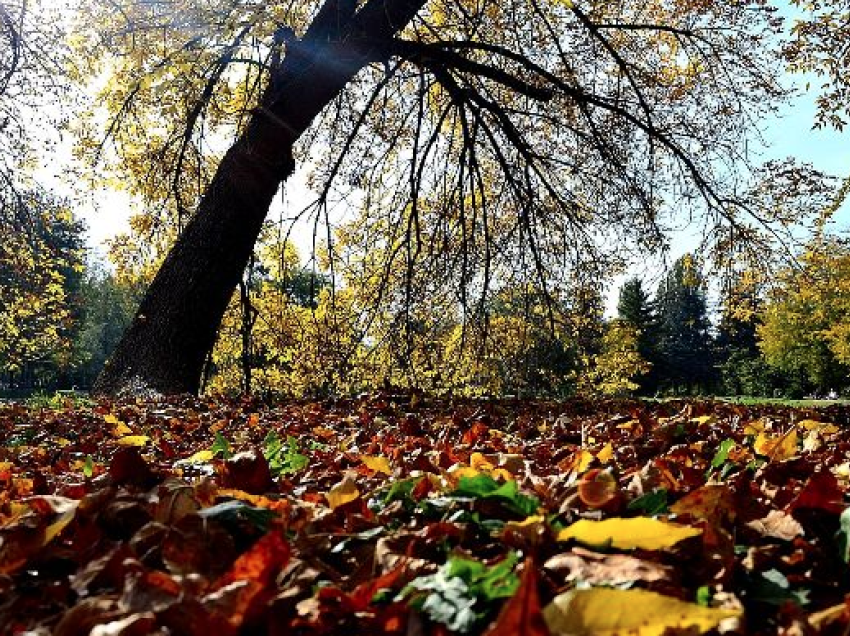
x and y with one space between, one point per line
481 143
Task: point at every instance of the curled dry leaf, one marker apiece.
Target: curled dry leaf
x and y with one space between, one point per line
779 525
606 569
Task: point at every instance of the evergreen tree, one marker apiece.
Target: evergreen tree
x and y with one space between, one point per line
635 307
685 344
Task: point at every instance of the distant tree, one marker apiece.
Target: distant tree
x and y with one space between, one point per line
618 366
806 322
106 306
40 265
636 308
685 345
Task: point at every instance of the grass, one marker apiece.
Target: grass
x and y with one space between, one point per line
805 403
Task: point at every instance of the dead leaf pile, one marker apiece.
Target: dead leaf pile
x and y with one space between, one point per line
400 515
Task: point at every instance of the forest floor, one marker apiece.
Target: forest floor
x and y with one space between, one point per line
397 514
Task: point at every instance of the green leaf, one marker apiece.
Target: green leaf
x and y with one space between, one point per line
401 491
231 512
704 596
843 535
283 457
652 503
483 486
88 467
464 592
221 446
773 587
722 454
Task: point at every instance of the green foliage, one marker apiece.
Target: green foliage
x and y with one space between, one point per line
685 347
462 592
283 457
483 486
106 307
40 265
221 446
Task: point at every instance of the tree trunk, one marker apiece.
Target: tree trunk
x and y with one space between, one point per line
175 327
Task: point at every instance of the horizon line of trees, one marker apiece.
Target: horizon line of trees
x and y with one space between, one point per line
289 331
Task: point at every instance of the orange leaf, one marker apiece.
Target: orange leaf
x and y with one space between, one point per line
260 563
522 615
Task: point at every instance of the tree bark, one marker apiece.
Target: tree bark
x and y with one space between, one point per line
175 326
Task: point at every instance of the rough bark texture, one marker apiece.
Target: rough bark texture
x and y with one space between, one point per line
164 348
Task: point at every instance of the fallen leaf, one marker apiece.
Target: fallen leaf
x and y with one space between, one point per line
248 471
628 534
606 569
597 488
606 454
606 612
821 492
201 457
377 464
711 502
778 448
268 556
824 428
133 440
342 493
521 614
779 525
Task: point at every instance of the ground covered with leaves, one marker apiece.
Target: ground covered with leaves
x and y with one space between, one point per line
395 514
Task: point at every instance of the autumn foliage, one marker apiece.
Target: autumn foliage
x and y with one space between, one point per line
394 514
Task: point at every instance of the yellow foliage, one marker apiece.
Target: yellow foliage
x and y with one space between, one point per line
606 612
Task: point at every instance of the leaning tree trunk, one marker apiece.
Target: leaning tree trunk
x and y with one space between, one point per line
175 326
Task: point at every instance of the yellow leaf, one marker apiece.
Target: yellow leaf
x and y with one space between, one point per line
201 457
121 429
479 462
606 454
823 428
777 448
459 470
754 428
65 510
109 418
501 473
582 460
704 419
605 612
343 493
61 441
133 440
628 534
528 521
378 464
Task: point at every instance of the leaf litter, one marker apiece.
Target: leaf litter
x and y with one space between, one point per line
397 514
